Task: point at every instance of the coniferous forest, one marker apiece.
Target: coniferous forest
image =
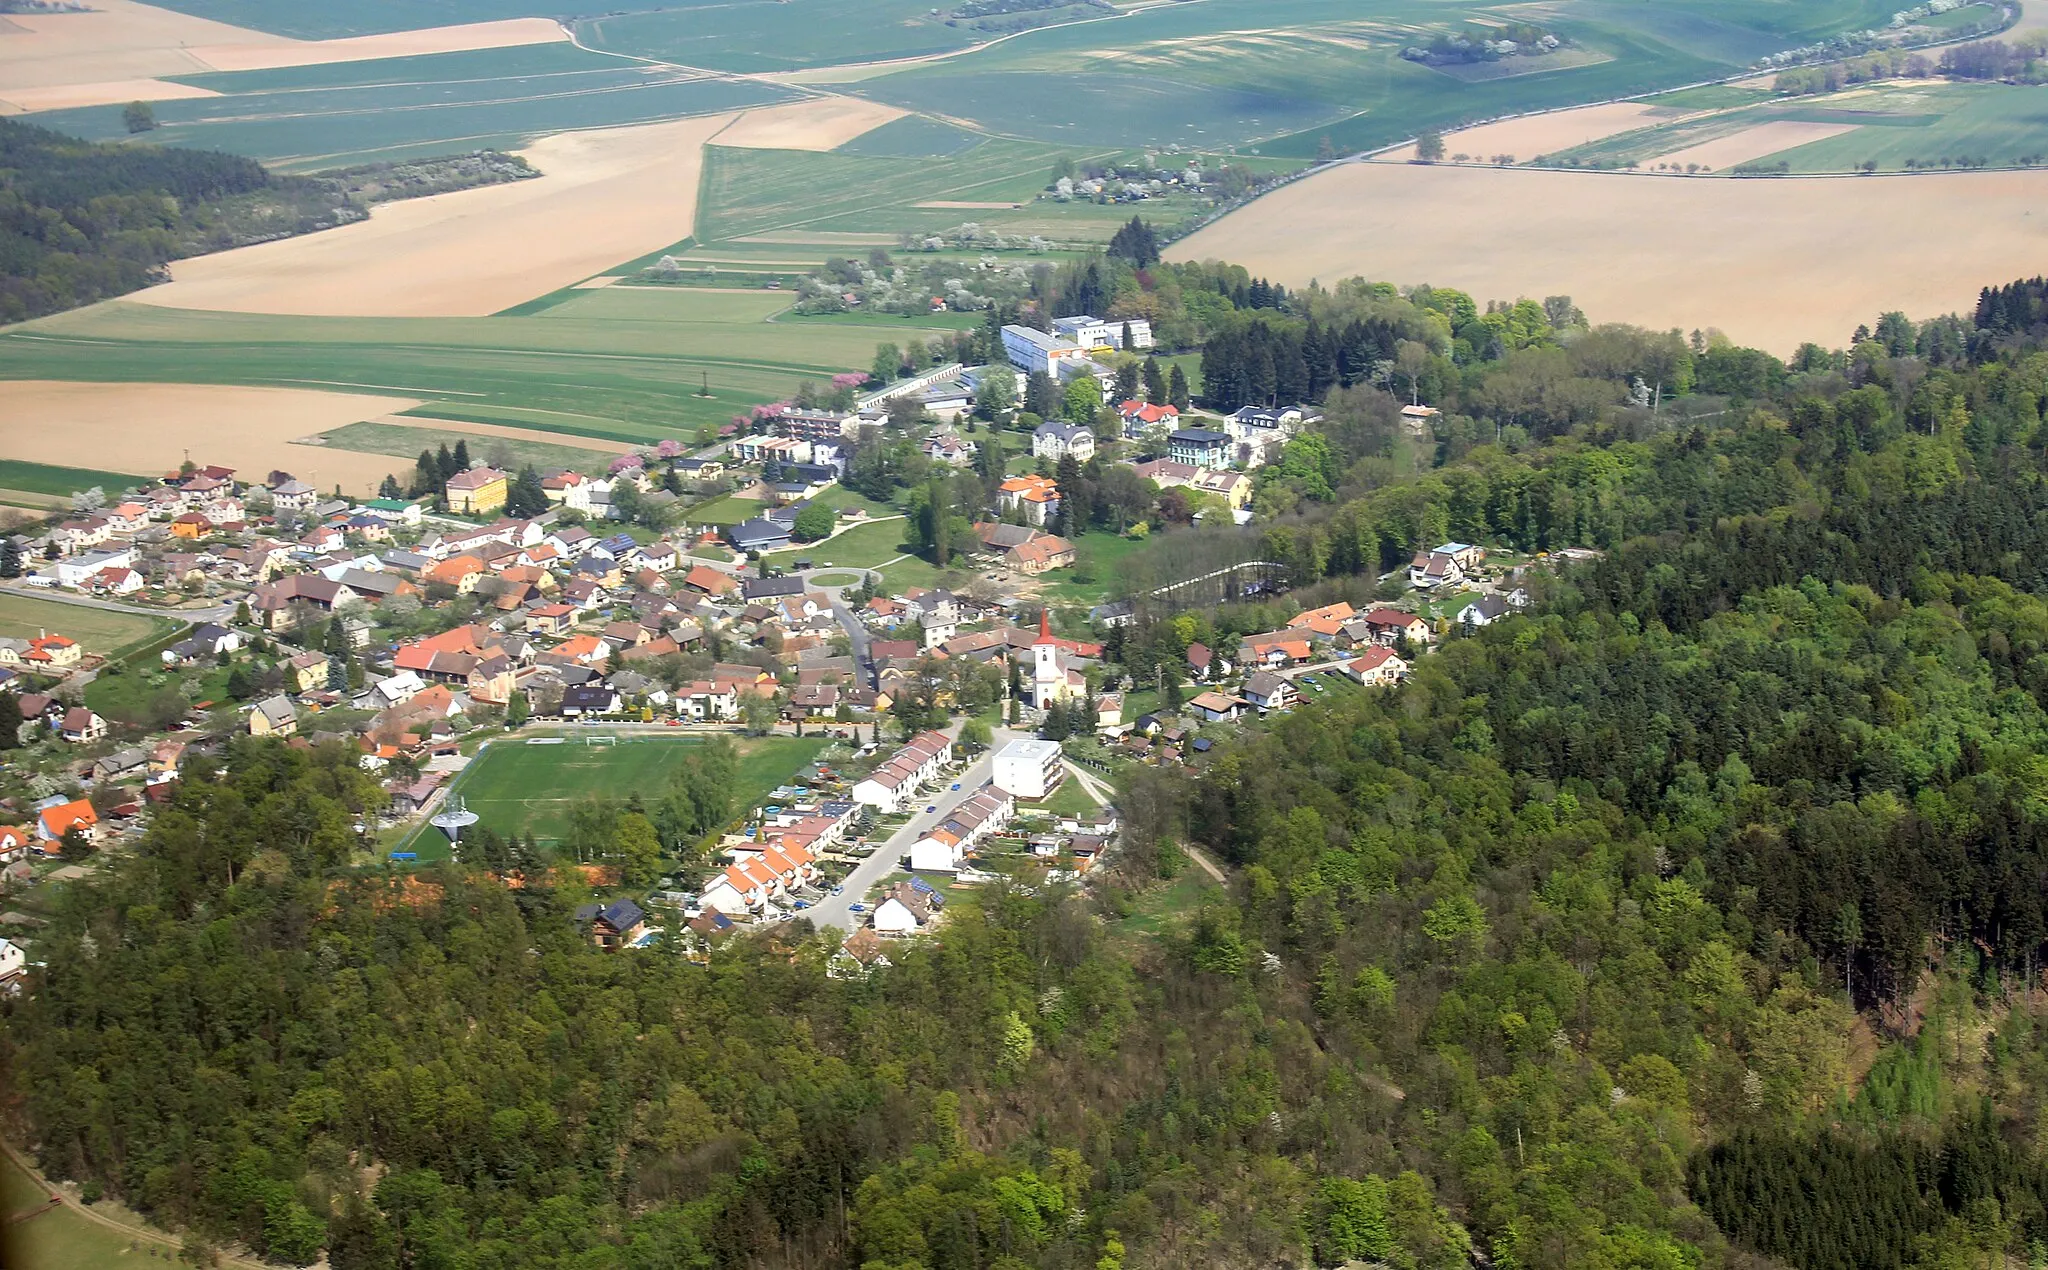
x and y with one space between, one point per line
1694 917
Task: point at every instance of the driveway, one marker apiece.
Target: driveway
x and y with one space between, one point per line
833 910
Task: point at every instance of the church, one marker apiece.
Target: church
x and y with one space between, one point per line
1055 673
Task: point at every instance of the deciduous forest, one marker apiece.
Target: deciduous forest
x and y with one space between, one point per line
1692 918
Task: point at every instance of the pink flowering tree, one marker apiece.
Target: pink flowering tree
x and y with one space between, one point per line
626 463
668 449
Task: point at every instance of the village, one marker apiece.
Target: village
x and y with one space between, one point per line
486 607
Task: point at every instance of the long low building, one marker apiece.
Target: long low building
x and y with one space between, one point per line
910 769
947 845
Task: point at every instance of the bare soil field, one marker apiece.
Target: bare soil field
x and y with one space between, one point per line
1753 143
266 55
1531 135
117 40
1771 262
605 195
19 101
816 123
152 427
100 54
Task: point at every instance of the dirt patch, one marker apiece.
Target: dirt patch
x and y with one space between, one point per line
598 283
120 41
1531 135
155 427
1753 143
606 195
943 202
65 96
819 123
1771 262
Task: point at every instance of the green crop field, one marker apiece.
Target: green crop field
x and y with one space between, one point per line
45 478
638 379
407 442
1283 74
324 116
778 35
912 137
517 787
1898 125
102 631
749 192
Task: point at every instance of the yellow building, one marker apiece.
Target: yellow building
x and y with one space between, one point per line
477 492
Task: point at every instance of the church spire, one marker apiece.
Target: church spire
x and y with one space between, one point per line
1044 627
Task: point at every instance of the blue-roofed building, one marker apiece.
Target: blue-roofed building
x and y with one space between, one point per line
1202 448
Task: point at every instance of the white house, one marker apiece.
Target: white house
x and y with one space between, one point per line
1054 440
1029 768
76 571
12 960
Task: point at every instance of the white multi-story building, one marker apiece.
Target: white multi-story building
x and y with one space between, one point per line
1092 332
1029 768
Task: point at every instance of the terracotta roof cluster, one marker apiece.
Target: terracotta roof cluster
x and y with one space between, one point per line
906 762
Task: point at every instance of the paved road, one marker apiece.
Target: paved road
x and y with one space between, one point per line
887 858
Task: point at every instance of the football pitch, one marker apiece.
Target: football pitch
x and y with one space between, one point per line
527 785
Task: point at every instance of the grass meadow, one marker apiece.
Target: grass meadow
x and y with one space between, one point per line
517 787
103 631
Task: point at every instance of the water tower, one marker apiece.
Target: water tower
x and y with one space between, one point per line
452 819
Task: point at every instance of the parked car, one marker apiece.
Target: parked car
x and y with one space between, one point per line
837 889
931 810
856 908
956 784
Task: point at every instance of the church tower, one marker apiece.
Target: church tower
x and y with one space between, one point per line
1048 681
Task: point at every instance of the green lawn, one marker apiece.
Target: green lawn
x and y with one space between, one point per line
124 697
1094 573
519 787
45 478
407 442
102 631
863 547
730 510
1070 799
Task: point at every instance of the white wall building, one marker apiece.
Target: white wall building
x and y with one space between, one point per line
1029 768
1093 332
